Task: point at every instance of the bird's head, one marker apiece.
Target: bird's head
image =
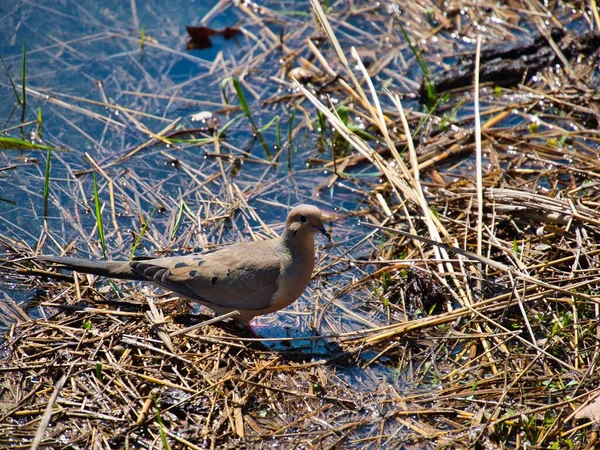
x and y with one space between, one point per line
305 219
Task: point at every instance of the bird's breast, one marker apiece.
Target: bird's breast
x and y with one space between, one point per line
292 282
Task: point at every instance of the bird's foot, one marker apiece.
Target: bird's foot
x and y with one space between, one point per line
251 331
248 329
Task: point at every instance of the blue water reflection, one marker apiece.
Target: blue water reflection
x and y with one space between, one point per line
104 97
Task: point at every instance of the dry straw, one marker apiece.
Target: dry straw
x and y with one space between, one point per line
472 312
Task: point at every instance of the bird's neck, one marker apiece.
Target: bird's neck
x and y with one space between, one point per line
301 246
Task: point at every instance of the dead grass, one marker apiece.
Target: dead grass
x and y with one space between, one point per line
463 313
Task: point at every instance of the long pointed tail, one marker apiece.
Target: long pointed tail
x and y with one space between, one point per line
111 269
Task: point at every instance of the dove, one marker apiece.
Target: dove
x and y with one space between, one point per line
254 278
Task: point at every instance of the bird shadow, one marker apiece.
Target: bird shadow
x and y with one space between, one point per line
299 346
296 346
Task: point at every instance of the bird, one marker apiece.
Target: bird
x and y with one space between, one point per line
254 278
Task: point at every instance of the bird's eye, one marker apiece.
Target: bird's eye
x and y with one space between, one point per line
303 219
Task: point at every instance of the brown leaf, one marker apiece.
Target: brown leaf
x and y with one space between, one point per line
200 36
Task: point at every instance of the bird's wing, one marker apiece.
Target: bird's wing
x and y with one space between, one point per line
241 276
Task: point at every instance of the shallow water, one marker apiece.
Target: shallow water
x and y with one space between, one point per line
83 56
103 97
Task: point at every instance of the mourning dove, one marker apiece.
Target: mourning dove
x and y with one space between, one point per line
254 278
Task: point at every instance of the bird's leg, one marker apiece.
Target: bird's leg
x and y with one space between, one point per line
248 329
251 331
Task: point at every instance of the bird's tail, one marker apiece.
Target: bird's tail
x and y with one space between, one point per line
111 269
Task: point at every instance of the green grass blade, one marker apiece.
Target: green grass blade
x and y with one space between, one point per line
99 217
161 427
343 112
142 44
12 143
264 145
12 83
289 137
38 130
224 128
246 110
430 90
291 124
183 206
199 141
47 183
210 140
418 55
274 120
178 219
449 117
115 288
142 38
365 135
138 239
98 371
322 124
24 83
278 132
242 99
223 87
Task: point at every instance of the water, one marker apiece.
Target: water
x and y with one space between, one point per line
102 96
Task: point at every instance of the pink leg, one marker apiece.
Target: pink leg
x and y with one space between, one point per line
251 331
248 329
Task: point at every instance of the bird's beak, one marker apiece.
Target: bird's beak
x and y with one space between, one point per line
323 231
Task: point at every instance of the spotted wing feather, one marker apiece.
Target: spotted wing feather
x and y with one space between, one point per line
225 278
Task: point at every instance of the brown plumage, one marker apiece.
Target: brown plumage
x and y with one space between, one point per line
252 277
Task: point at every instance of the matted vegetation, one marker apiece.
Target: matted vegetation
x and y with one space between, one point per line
462 312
